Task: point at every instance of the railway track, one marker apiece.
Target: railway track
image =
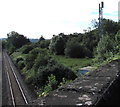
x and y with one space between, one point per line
17 94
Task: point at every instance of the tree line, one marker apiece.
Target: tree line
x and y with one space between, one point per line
42 72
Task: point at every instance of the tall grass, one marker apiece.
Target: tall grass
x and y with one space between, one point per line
73 63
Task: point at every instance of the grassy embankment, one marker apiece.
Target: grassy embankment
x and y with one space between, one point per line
72 63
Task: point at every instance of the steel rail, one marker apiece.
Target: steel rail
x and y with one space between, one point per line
17 81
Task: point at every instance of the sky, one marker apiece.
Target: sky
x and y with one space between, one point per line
34 18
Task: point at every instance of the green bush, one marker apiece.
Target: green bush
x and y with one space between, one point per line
19 59
105 48
11 49
41 74
26 49
64 81
21 65
51 84
29 61
41 60
44 44
117 38
75 50
40 68
57 45
34 56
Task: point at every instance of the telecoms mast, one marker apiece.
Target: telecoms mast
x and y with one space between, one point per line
101 6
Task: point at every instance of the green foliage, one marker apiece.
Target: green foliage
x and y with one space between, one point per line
41 39
44 44
64 81
83 44
45 72
57 45
11 49
15 41
29 61
31 57
73 63
90 40
19 59
75 50
40 65
27 48
42 59
51 84
3 44
110 26
52 81
41 75
117 38
105 48
21 65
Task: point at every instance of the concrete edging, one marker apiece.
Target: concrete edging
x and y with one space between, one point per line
0 73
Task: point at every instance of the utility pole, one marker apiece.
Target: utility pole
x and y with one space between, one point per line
101 6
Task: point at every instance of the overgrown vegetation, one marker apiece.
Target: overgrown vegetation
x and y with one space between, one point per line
73 63
37 67
15 41
48 64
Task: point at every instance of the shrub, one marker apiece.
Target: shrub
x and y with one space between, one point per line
44 44
117 38
75 50
21 64
105 48
34 57
64 81
26 49
57 45
19 59
41 60
42 72
51 84
29 61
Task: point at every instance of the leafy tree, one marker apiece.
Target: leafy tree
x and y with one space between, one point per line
42 59
105 48
42 66
16 40
3 44
90 40
94 23
117 38
27 48
110 26
44 44
41 39
51 84
57 45
74 49
30 58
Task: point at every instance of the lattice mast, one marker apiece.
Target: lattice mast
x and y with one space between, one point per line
101 6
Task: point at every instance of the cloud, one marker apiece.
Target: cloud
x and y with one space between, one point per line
47 17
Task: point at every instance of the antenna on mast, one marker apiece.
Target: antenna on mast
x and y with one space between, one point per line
101 6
